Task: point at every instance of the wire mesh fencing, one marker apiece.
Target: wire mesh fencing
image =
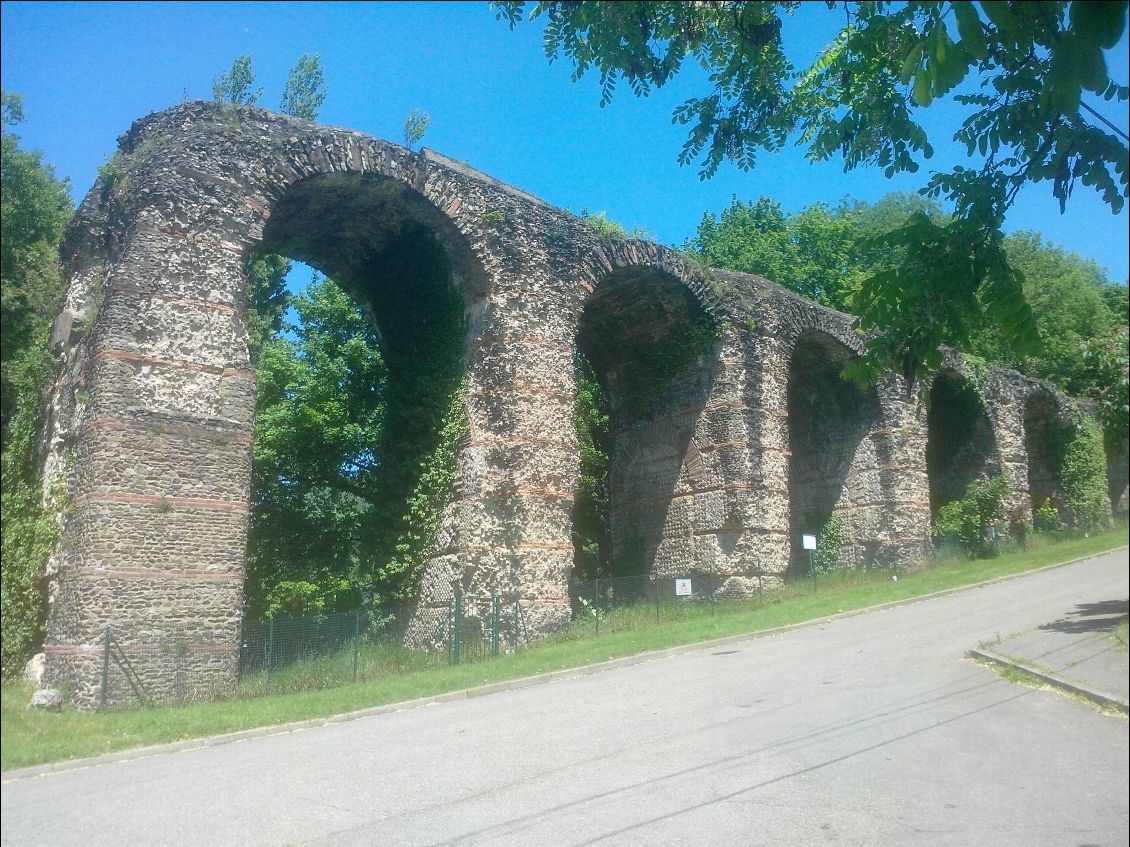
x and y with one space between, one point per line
281 656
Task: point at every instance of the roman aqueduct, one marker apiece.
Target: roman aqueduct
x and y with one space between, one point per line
151 426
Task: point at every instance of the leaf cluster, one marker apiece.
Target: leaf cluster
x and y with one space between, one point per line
1022 73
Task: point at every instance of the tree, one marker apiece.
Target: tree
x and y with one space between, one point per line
305 88
321 384
1026 122
35 209
1107 376
415 126
1069 299
820 252
234 86
267 298
591 540
826 254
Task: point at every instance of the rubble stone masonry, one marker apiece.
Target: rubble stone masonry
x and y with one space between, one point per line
151 420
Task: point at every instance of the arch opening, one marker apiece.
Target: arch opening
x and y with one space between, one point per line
1046 432
374 393
644 355
833 472
960 446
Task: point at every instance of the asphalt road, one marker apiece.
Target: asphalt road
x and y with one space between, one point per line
868 730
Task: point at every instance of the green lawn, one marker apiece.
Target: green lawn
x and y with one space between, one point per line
28 738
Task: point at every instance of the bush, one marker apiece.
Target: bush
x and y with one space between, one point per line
831 540
968 520
1046 517
1083 475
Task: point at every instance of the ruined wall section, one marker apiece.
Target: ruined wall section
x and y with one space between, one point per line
679 477
884 503
153 415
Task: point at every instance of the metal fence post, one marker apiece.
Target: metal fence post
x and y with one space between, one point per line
356 642
495 622
517 617
181 652
596 603
657 599
270 650
457 636
104 693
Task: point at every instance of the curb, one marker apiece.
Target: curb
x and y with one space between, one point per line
129 755
1101 698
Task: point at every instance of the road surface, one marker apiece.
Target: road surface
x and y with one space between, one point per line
871 729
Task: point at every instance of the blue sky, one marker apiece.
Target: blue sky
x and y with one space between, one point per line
86 71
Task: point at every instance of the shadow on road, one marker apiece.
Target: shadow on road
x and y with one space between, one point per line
1092 617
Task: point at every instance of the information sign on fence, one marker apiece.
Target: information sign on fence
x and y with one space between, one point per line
682 588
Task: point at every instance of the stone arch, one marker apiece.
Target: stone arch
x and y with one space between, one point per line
834 463
654 348
961 441
415 275
154 414
1047 426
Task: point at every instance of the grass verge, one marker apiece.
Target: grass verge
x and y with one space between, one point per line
1122 637
1019 676
31 737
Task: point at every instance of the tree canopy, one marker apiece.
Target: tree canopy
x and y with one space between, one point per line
1031 78
305 89
319 415
36 208
236 86
827 253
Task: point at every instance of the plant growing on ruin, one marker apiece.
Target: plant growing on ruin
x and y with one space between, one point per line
976 371
234 86
830 543
1083 474
415 127
305 89
605 227
1045 517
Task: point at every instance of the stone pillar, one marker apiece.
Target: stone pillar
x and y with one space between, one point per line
765 505
507 529
905 539
1004 404
153 544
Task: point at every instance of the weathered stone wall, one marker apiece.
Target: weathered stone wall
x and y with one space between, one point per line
152 418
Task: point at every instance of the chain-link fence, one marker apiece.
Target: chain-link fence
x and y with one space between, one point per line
305 654
281 656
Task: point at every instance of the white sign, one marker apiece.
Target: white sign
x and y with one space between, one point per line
808 541
682 588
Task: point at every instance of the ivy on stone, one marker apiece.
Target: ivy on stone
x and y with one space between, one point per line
1083 475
